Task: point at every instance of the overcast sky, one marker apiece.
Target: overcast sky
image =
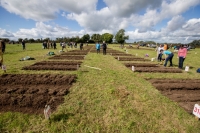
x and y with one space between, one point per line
176 21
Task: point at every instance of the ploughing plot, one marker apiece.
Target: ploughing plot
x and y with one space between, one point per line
30 93
66 61
142 64
68 57
186 92
54 65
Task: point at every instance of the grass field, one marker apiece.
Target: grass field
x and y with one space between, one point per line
113 99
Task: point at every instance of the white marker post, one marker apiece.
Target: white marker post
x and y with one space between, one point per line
77 66
133 68
196 111
47 111
187 68
4 68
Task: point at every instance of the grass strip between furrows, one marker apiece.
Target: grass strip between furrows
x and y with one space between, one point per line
113 99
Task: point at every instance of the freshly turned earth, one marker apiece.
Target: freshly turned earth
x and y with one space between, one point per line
30 93
186 92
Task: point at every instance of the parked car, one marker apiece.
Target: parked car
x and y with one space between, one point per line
143 45
192 47
176 47
152 46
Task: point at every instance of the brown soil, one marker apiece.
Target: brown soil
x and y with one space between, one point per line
58 63
52 67
120 54
140 65
30 93
74 53
131 59
142 48
108 51
63 57
157 69
186 92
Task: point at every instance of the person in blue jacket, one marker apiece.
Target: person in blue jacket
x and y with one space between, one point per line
98 47
168 57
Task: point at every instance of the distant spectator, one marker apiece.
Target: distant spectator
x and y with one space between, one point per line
63 46
182 52
44 45
138 46
98 47
104 45
3 46
23 45
81 46
1 53
159 53
54 45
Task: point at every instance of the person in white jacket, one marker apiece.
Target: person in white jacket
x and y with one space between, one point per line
159 54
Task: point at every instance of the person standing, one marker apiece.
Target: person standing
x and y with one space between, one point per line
54 44
182 52
1 53
23 45
64 46
81 46
138 46
98 47
3 46
168 57
104 45
159 54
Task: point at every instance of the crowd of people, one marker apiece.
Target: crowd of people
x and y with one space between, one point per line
168 55
164 51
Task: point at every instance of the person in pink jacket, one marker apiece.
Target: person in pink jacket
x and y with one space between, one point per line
182 52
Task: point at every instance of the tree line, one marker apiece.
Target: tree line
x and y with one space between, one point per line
120 38
107 37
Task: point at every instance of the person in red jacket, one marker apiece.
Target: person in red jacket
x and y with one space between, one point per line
182 52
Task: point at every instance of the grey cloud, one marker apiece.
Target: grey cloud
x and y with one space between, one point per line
40 10
175 23
195 35
192 26
123 8
4 33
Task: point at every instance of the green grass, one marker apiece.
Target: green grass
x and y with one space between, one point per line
113 99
